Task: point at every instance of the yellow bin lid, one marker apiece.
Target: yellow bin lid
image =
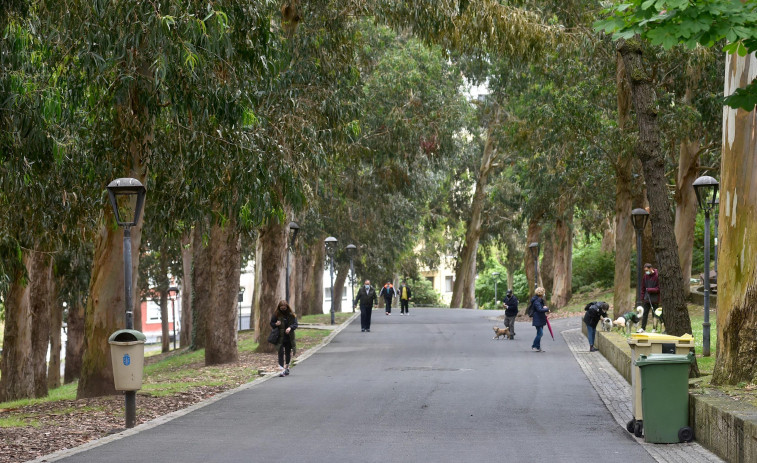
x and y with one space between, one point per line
658 338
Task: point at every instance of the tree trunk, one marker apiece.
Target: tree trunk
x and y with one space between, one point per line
623 296
56 324
165 336
310 275
647 149
201 296
533 235
464 290
340 276
608 236
185 338
74 341
40 278
226 264
686 206
547 260
17 379
562 288
736 358
270 257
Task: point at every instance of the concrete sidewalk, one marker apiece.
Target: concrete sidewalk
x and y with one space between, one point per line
615 392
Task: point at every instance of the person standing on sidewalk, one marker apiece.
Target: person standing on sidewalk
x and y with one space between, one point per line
285 321
511 311
650 293
539 316
366 297
388 292
405 295
595 311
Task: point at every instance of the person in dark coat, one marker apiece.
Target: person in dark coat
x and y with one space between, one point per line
285 321
650 292
388 292
539 317
595 311
405 295
511 311
366 297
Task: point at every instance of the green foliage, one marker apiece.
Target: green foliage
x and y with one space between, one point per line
424 294
592 268
691 23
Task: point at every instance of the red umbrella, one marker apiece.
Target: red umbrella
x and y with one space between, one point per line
550 329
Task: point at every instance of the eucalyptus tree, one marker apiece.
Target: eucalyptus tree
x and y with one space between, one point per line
668 24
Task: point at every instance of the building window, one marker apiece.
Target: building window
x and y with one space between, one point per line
327 293
449 283
431 280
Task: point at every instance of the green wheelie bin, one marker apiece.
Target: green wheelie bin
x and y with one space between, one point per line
665 397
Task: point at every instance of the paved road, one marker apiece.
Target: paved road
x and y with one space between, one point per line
430 387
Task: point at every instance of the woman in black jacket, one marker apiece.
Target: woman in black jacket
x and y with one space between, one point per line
595 311
285 321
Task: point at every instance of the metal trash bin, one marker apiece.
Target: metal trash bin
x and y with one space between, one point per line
127 352
665 397
648 344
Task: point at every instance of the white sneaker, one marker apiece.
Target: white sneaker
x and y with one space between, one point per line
640 330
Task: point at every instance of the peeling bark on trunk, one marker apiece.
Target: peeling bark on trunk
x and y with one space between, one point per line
648 150
623 295
736 358
226 263
686 206
17 380
547 262
464 289
533 235
340 276
270 257
201 296
185 337
40 278
309 270
74 341
56 324
563 258
608 236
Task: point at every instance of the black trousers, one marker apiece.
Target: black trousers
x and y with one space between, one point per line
388 305
404 306
365 318
648 307
285 348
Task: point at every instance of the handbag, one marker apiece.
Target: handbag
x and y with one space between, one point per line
273 338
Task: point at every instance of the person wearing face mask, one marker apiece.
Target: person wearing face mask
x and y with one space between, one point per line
650 293
366 297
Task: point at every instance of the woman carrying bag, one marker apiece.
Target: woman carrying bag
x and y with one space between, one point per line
285 323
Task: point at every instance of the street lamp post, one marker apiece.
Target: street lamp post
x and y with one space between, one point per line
351 248
293 228
534 248
127 197
639 219
173 292
330 249
496 280
706 189
715 241
240 298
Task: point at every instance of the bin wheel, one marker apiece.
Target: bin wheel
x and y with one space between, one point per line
638 429
630 425
685 434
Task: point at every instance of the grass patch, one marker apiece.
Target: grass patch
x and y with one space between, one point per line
579 301
65 392
325 319
18 422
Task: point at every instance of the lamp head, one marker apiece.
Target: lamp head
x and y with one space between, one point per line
330 245
706 189
534 248
127 196
639 218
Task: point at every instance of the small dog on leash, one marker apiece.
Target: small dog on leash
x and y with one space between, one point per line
501 332
606 324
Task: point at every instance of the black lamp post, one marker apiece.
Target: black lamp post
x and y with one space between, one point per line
173 293
351 248
330 249
706 189
715 249
639 218
240 298
127 196
534 249
293 229
496 280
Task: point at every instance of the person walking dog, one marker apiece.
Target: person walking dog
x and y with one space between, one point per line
366 297
595 311
511 311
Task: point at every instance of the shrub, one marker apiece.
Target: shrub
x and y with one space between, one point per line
592 268
424 294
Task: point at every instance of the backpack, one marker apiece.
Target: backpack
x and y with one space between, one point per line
530 308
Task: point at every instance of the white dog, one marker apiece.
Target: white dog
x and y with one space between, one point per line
606 324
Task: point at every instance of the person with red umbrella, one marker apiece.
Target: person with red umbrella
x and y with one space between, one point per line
539 317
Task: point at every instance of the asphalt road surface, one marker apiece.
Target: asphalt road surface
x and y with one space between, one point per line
433 386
